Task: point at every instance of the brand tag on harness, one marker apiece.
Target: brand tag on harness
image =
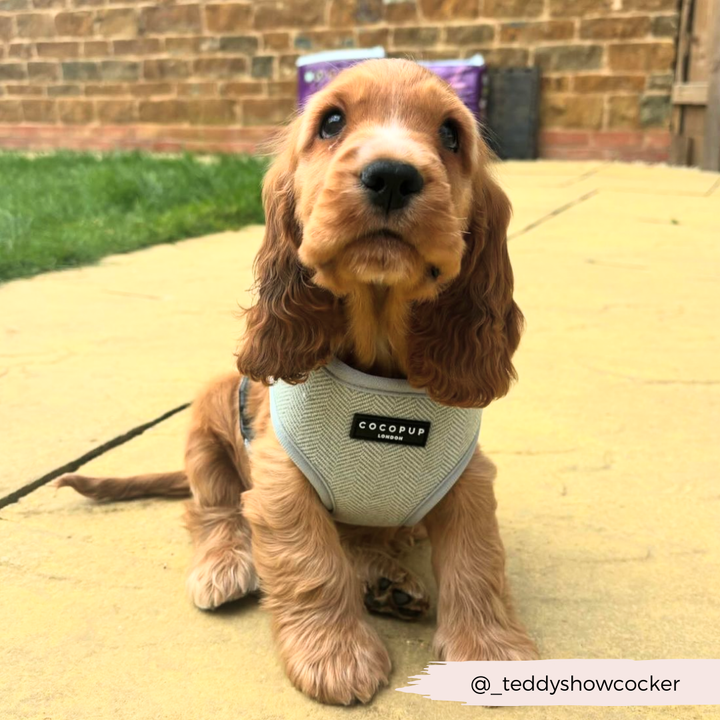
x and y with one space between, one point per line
390 430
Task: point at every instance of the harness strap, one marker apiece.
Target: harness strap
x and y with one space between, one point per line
245 424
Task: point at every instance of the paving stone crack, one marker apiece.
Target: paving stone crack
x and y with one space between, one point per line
554 213
76 464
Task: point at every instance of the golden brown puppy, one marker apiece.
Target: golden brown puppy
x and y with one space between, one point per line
385 246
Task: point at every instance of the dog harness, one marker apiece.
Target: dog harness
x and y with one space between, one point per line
377 451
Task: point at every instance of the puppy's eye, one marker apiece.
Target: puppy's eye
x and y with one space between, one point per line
332 124
449 136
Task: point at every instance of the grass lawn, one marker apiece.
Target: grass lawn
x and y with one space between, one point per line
68 209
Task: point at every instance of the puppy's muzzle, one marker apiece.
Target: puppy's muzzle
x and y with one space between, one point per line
390 184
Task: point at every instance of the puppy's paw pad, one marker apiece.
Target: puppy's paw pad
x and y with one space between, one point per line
403 597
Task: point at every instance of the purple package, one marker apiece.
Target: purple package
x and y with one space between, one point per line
317 70
467 78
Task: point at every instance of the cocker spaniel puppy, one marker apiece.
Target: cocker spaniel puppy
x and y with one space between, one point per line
385 256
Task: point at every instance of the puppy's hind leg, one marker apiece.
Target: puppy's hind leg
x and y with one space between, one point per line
218 469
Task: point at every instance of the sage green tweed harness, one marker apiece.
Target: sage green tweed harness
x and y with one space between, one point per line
377 451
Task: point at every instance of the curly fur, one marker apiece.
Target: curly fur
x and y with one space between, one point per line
426 294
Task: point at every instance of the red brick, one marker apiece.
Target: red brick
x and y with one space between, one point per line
39 111
617 138
76 112
165 19
228 17
74 24
267 112
565 138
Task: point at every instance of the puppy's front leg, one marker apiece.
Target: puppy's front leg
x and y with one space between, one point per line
475 617
312 590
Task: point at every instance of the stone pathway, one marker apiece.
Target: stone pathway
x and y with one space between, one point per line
607 450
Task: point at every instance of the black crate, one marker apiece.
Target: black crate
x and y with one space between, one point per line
513 112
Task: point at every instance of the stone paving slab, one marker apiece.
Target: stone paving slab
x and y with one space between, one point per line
88 354
609 502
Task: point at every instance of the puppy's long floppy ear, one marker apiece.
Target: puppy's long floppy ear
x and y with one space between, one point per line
291 328
462 344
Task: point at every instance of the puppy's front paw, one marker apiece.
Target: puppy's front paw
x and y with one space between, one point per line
335 665
488 642
220 575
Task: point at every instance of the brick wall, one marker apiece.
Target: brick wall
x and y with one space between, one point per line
218 76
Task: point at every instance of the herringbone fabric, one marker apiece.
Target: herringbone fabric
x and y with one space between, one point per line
363 482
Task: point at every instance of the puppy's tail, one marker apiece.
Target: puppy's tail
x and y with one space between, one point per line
171 484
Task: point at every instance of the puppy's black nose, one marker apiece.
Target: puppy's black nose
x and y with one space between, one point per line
390 184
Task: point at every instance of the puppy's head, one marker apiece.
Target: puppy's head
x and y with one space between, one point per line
383 181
